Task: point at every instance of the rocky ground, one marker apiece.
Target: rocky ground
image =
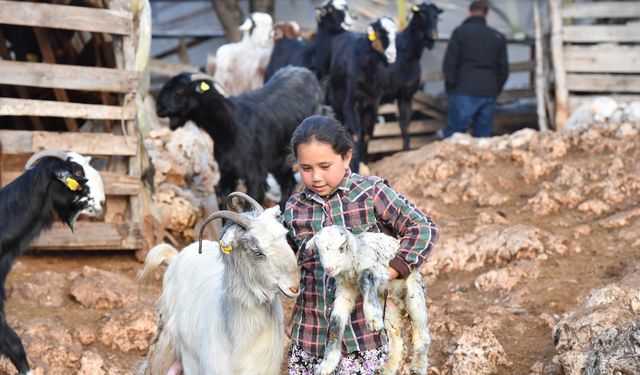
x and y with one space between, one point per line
536 271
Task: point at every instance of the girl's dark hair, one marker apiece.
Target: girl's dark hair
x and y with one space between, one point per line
323 129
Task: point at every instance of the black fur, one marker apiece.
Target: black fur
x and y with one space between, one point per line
314 55
356 85
403 76
251 131
28 205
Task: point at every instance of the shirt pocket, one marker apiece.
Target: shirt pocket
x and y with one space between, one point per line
360 217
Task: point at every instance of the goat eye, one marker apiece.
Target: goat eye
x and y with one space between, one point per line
78 174
341 249
258 254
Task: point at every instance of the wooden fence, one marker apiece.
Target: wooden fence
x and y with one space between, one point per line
123 226
592 57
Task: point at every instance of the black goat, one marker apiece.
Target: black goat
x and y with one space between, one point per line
356 79
333 18
403 76
251 131
54 187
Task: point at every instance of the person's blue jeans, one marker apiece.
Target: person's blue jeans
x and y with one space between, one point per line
466 108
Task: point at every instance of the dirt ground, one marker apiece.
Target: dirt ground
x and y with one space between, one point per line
530 225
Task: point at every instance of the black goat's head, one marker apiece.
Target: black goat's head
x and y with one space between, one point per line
179 98
424 20
335 16
382 36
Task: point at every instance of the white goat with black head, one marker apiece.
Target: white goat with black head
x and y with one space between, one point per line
219 312
55 184
359 264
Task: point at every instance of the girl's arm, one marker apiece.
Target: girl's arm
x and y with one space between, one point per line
416 231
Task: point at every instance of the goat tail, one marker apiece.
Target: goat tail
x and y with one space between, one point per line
159 254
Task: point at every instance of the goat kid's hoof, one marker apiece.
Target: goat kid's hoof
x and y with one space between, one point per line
325 368
375 324
418 371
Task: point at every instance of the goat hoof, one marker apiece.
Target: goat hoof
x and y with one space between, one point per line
375 325
418 371
325 368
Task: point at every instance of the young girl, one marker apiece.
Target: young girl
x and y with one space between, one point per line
332 195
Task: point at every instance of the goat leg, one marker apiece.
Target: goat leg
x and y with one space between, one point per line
416 306
369 285
393 324
342 308
11 346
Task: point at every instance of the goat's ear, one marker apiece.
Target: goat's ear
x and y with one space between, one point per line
202 86
232 234
274 211
311 244
371 34
320 12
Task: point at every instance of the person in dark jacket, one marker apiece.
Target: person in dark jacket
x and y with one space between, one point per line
475 68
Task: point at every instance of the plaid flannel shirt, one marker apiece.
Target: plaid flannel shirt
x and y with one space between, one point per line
360 204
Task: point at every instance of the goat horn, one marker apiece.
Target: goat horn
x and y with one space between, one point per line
237 218
201 76
257 206
57 153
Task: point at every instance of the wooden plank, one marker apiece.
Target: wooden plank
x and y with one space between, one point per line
114 183
90 236
170 69
602 9
577 100
66 17
602 58
601 33
559 71
392 128
48 108
67 77
50 58
520 66
88 144
620 83
378 146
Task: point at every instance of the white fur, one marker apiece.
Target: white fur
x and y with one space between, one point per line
346 257
240 66
219 313
96 197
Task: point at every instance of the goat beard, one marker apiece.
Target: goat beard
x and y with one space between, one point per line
176 121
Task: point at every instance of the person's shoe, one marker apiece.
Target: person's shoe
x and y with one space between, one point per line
440 134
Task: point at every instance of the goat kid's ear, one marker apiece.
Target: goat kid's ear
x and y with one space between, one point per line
311 244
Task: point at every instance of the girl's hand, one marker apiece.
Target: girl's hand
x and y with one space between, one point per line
393 274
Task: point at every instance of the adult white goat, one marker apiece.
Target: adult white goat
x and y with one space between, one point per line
359 265
219 312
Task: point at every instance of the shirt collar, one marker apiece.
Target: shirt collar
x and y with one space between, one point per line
345 186
475 19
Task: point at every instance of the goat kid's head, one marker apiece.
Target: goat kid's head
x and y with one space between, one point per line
179 98
258 241
258 28
382 36
335 15
335 245
424 18
78 189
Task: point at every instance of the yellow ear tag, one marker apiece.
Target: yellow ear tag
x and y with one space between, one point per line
72 184
204 86
225 249
372 36
415 8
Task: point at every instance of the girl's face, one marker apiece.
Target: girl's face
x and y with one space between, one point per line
322 169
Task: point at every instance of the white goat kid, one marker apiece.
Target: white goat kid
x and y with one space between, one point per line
219 312
359 264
